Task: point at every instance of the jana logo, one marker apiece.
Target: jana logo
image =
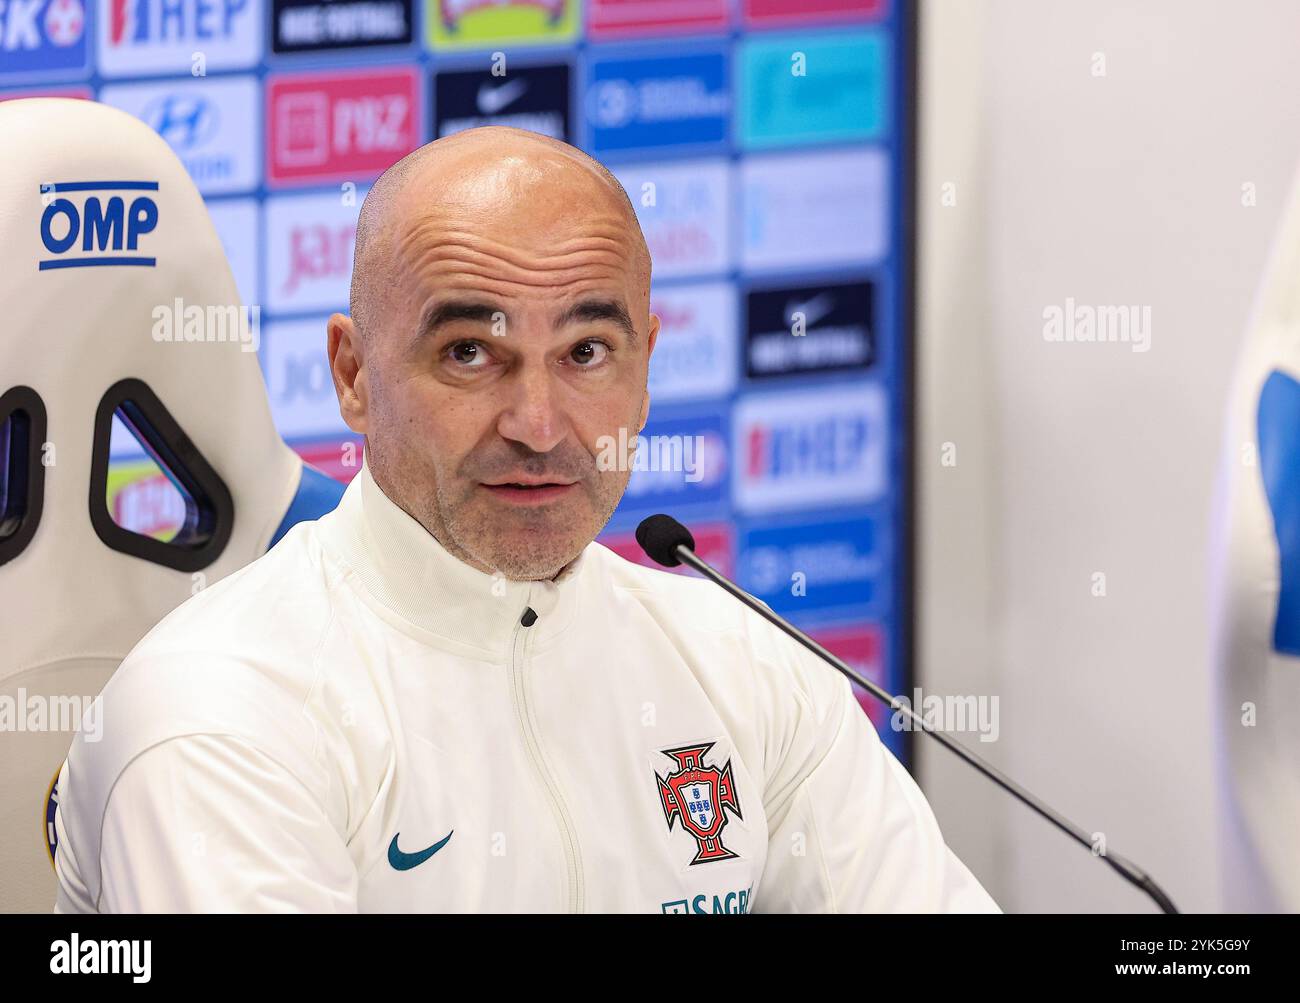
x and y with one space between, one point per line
699 796
185 121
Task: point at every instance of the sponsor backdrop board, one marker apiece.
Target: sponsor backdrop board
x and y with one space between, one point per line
766 144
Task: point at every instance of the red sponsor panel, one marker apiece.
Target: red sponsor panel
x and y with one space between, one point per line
714 543
81 93
339 457
145 502
340 126
636 18
770 13
862 646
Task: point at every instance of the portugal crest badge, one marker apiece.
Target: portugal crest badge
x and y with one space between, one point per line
699 795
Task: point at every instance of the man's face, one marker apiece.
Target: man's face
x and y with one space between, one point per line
518 337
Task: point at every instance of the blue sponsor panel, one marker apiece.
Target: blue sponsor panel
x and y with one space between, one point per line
812 89
802 330
322 25
695 352
656 102
210 124
309 244
182 37
805 570
238 224
680 465
532 97
298 380
43 39
684 209
811 448
822 209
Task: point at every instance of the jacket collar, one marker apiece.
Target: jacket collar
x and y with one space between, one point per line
405 569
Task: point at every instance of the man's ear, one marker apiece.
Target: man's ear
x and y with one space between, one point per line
347 365
649 350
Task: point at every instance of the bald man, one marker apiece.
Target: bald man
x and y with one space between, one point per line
444 696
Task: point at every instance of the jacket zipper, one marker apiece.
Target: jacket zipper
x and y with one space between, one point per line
519 691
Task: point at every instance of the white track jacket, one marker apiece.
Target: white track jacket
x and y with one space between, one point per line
360 722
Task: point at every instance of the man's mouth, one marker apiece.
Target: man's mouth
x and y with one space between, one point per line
529 492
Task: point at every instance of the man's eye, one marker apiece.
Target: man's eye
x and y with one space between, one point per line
589 353
468 354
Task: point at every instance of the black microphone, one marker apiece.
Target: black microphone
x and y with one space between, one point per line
666 541
660 536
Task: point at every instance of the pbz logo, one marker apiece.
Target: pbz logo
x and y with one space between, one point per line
83 228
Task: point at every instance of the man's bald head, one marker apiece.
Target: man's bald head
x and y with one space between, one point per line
443 174
500 339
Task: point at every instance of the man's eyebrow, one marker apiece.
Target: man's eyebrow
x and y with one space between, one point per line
454 310
586 311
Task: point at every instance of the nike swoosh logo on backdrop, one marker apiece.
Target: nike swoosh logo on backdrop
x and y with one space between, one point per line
491 99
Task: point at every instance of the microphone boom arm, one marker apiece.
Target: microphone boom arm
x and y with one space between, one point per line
1128 870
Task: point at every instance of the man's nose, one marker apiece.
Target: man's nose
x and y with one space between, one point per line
532 414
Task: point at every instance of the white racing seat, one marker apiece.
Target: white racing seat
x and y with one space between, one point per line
1256 599
102 233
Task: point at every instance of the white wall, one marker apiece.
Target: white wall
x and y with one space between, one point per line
1074 458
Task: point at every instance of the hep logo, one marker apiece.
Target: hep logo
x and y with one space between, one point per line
697 795
829 447
121 20
132 21
98 223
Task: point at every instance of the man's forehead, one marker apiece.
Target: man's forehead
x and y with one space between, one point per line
545 235
537 206
540 241
510 200
495 171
